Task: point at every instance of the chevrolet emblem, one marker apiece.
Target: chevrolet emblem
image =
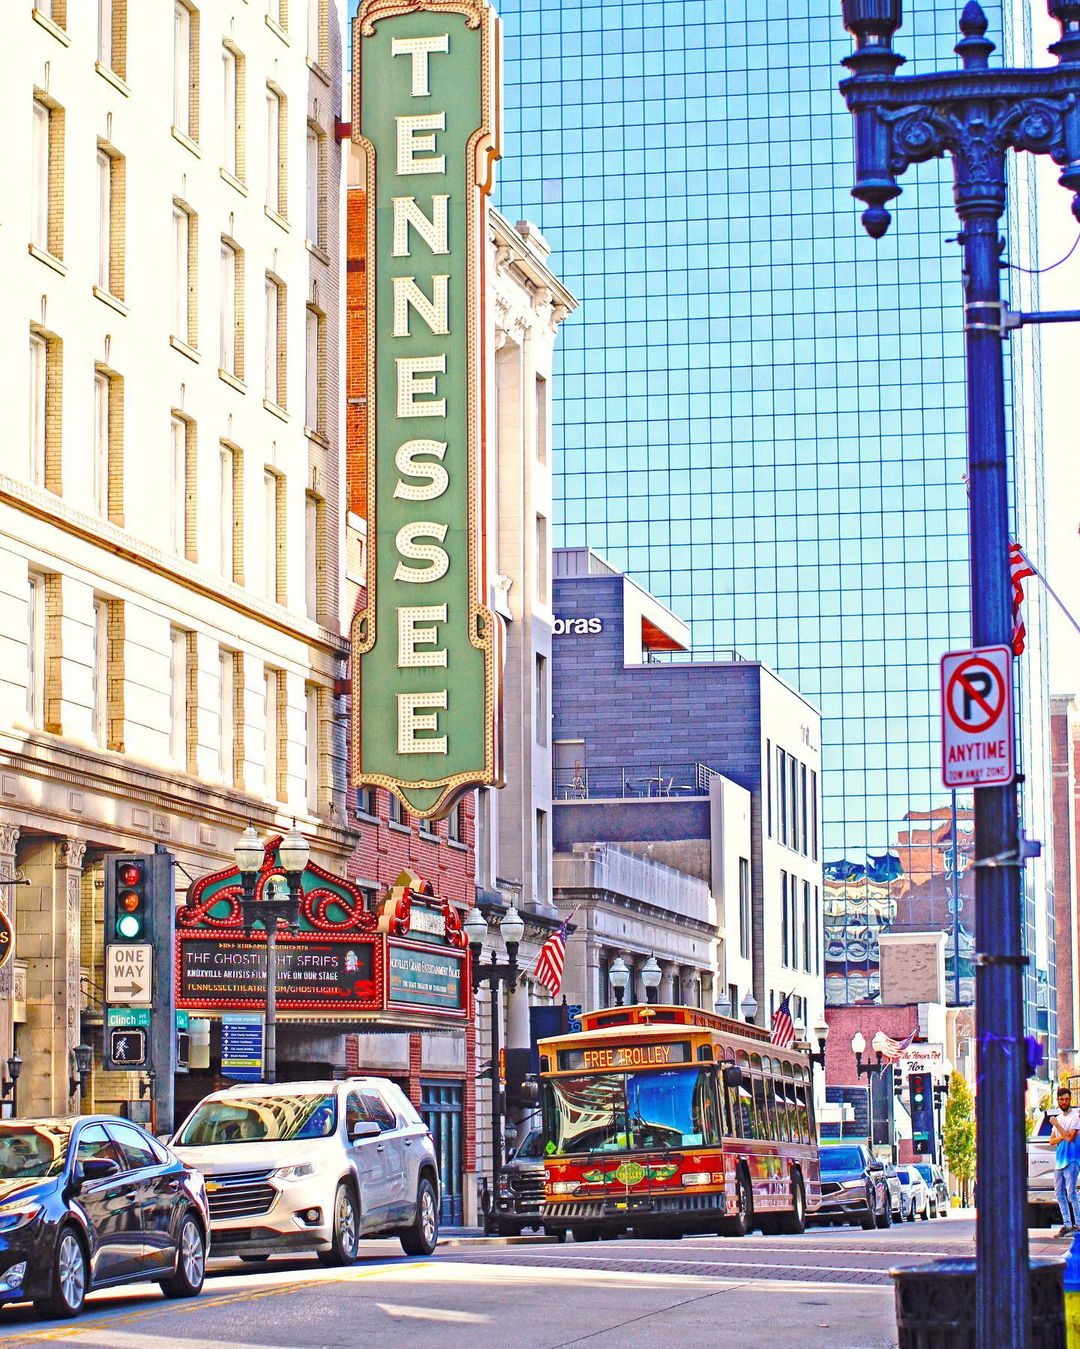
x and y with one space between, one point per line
213 1185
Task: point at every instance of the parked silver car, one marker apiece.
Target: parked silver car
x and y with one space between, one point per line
918 1198
313 1166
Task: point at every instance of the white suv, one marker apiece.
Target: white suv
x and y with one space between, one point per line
313 1166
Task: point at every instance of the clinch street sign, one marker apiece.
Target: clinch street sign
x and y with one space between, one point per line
427 649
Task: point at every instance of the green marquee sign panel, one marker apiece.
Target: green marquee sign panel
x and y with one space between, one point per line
427 649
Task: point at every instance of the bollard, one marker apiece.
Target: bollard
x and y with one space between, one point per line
1072 1295
935 1304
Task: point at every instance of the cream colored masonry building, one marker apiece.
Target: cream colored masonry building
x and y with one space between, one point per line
170 467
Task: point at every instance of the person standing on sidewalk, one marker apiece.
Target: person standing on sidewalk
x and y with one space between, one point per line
1066 1126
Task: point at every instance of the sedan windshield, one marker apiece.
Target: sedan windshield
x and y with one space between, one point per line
622 1112
260 1119
32 1151
841 1159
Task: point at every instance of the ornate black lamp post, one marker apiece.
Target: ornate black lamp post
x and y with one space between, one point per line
871 1069
495 974
975 115
10 1085
274 909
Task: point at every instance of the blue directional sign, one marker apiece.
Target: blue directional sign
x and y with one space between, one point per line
242 1046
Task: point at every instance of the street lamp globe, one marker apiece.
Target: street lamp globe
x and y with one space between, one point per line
14 1066
821 1030
619 975
858 1044
749 1007
723 1005
880 1042
512 927
651 973
248 851
475 926
799 1028
293 850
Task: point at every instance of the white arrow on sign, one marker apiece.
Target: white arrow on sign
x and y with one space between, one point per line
129 975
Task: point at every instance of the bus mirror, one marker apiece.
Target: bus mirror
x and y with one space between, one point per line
732 1076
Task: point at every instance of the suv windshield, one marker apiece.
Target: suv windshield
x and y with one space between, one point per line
531 1148
925 1172
33 1151
841 1159
260 1119
621 1112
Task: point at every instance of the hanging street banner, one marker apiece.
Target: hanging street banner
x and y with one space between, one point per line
341 961
977 733
427 649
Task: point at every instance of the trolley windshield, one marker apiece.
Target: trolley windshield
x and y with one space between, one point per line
624 1112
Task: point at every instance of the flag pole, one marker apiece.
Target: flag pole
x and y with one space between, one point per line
1053 594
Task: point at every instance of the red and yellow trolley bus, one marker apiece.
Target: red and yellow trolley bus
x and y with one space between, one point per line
675 1120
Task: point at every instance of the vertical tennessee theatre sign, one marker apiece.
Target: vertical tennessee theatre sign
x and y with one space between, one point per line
427 649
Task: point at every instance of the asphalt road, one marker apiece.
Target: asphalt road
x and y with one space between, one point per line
830 1286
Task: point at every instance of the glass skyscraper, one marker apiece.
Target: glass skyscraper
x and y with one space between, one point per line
760 411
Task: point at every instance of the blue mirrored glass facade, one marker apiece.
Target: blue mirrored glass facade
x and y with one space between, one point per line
760 413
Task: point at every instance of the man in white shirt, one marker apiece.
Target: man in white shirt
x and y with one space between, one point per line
1066 1126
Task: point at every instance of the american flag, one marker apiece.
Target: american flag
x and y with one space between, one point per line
783 1030
892 1049
1020 568
549 963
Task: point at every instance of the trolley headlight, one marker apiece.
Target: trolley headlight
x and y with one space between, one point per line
564 1187
697 1178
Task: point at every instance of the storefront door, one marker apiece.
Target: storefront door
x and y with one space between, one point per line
443 1109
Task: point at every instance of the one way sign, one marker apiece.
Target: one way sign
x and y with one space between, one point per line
129 974
977 734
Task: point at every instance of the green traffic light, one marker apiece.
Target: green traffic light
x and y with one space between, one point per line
128 926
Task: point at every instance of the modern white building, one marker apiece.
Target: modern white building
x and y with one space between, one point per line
171 472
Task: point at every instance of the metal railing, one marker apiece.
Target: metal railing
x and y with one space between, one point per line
600 782
705 655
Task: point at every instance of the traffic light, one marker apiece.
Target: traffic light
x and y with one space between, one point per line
136 886
921 1110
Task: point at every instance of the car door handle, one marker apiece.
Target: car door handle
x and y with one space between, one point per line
381 1147
408 1142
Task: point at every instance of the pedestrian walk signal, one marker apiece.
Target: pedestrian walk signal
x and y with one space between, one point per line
129 1047
921 1110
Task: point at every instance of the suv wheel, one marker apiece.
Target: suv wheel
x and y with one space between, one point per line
422 1235
346 1238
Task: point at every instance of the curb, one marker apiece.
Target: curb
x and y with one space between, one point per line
482 1242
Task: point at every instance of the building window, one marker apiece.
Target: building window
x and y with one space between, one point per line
100 673
311 741
793 778
39 408
804 830
807 952
793 898
233 71
231 353
112 173
112 36
274 382
543 561
314 409
768 786
542 848
398 814
813 816
367 802
35 651
746 921
47 179
56 10
543 717
276 150
178 697
184 297
785 924
184 486
277 11
541 419
315 29
227 716
314 551
429 829
817 931
273 714
315 214
782 797
45 398
455 823
230 496
100 467
186 69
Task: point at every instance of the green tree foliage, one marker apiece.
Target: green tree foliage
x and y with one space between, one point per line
958 1135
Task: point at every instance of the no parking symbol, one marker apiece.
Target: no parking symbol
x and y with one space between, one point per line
977 737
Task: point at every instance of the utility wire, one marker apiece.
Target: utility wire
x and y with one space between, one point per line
1038 271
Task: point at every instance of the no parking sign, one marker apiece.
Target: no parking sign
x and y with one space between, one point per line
977 736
